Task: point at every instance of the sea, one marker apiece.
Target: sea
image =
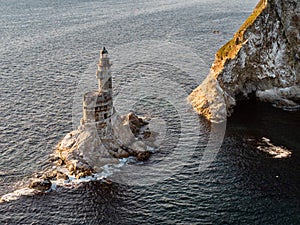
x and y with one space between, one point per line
246 171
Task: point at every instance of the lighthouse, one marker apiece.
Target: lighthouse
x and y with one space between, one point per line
103 134
103 74
98 105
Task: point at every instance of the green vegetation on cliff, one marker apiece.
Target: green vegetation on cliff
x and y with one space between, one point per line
232 47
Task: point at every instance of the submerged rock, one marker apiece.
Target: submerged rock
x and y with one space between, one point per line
262 58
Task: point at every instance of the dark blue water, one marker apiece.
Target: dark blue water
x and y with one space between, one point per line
47 46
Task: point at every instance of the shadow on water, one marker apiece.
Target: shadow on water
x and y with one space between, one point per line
263 174
261 119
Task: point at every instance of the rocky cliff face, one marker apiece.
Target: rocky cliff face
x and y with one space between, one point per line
262 58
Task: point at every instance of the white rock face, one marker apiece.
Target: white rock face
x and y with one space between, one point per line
281 97
262 58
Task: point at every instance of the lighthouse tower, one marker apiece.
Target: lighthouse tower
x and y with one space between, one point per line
103 74
98 105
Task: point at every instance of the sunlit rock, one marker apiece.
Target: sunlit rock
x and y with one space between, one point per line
262 58
40 184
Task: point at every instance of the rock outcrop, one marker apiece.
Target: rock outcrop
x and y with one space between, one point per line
84 152
40 184
262 58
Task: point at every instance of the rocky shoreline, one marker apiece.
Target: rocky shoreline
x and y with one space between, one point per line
68 161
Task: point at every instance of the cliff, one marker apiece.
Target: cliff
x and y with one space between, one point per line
262 58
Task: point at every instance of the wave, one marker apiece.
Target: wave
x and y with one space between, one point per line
72 182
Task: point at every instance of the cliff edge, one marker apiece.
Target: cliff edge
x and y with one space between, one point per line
262 58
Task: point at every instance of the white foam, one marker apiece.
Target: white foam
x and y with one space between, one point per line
72 182
18 193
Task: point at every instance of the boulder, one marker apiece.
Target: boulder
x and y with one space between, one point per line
54 175
143 156
79 168
40 184
135 123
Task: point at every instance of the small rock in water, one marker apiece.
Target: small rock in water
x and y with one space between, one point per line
79 169
40 184
49 175
54 175
61 175
142 156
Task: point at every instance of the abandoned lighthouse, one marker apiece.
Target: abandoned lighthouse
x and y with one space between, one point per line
98 105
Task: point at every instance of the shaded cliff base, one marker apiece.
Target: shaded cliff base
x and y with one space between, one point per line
265 132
